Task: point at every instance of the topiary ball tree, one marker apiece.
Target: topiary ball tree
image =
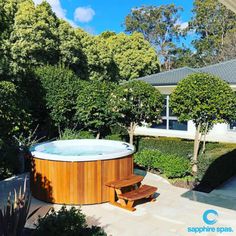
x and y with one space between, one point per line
134 103
206 100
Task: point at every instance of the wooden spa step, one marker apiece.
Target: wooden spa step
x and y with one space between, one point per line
125 182
143 192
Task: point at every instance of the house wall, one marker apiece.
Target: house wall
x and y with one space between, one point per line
219 133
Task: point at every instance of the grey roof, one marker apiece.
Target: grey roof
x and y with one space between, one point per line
225 70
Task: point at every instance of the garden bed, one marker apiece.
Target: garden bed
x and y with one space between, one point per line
171 158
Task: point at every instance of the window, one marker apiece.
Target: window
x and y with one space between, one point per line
232 126
161 125
169 120
176 125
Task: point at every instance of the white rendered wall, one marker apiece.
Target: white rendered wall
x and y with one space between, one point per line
219 133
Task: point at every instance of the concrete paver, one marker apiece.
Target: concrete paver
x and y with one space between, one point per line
174 211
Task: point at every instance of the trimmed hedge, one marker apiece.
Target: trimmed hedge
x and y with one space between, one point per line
215 166
172 166
173 146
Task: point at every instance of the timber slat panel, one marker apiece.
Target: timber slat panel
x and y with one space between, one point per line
77 182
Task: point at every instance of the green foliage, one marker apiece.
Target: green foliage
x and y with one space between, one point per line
159 25
204 99
9 162
218 160
71 54
211 21
92 106
146 158
61 88
172 146
33 36
15 214
74 134
172 166
98 63
133 55
70 222
13 117
134 103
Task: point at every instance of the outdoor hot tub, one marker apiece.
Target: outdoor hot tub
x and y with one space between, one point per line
76 171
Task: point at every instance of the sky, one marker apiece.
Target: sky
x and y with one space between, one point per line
96 16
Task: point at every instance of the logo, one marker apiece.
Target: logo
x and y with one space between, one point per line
209 217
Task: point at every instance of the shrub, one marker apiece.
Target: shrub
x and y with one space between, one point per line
172 166
70 222
74 134
174 146
217 165
146 158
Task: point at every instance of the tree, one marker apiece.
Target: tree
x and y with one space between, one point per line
132 54
135 103
206 100
182 57
211 22
13 117
228 51
60 88
159 25
98 63
34 40
71 53
92 106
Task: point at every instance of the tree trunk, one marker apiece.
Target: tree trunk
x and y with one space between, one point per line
131 133
98 135
204 139
196 148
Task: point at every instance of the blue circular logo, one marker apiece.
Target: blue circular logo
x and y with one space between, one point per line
209 217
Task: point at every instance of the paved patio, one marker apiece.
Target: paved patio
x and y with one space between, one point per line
174 210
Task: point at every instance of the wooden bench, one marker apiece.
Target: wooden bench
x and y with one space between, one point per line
125 191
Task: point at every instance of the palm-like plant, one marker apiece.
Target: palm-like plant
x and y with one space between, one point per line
15 214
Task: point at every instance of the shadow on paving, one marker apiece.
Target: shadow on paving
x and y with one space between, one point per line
219 171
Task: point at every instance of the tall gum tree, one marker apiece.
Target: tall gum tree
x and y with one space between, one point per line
160 25
211 21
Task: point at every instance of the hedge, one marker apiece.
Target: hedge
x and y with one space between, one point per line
172 166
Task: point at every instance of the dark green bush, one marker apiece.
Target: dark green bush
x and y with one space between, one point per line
60 88
9 162
74 134
217 166
65 222
172 166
